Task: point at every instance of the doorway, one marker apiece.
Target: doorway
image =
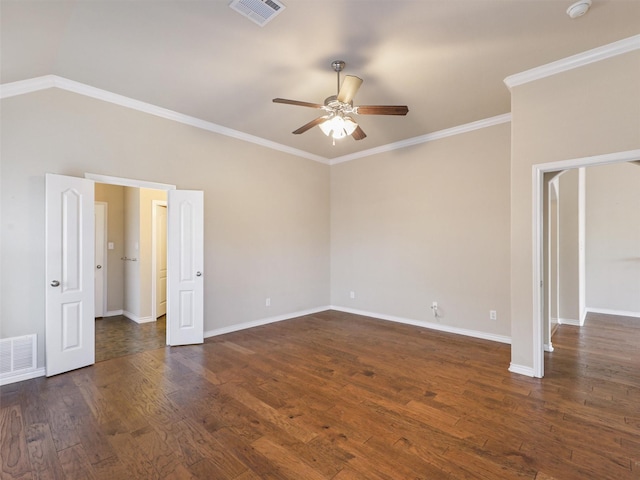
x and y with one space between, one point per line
70 263
134 229
540 294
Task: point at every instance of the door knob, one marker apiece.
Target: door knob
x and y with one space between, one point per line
55 283
99 267
198 274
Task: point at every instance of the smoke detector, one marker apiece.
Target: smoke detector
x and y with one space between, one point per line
258 11
579 8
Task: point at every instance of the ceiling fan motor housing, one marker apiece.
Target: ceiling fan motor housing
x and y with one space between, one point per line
338 65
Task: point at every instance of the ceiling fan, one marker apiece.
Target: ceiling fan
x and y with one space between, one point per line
337 121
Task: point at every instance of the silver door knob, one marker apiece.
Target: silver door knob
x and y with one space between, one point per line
198 274
98 267
55 283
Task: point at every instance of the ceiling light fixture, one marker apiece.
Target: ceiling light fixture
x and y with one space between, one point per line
578 9
338 127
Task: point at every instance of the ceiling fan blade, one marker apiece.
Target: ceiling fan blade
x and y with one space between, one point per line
358 133
382 110
349 88
297 102
310 125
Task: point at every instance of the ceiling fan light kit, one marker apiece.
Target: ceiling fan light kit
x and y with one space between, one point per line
338 127
338 122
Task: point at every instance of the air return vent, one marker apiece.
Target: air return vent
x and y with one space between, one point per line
17 355
258 11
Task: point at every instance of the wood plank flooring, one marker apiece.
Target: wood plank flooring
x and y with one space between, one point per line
118 336
336 396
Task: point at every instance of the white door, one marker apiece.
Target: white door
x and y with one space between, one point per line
185 242
69 237
161 258
100 264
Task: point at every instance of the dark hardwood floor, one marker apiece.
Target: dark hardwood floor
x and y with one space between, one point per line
118 336
336 396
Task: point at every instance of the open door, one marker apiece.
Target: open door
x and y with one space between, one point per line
69 298
160 257
185 248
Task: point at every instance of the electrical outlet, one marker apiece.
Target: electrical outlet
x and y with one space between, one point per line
352 294
434 305
493 315
267 302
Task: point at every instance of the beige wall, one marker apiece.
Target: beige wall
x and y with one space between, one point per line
583 112
613 238
422 224
131 279
266 223
113 195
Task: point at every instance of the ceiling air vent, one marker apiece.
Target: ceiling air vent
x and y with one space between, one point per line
258 11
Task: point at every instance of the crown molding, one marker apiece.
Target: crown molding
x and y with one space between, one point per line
22 87
575 61
429 137
53 81
50 81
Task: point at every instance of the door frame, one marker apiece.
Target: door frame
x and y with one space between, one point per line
130 182
551 274
538 171
105 254
154 246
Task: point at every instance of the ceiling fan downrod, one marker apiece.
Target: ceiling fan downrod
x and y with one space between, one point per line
338 66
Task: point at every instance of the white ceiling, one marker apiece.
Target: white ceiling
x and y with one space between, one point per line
445 59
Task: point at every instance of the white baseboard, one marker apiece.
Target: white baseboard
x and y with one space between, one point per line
433 326
521 370
263 321
570 321
609 311
113 313
38 372
137 319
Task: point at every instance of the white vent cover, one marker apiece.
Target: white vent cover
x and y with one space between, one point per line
258 11
17 355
